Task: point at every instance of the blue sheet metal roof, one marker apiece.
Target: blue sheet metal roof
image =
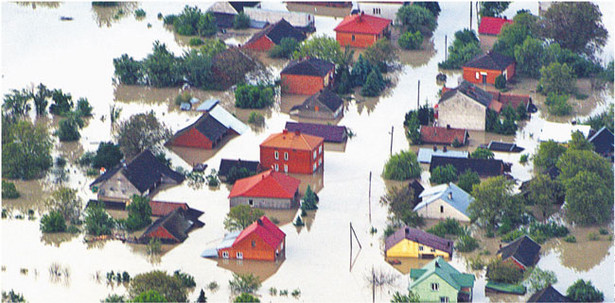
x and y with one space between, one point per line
459 199
207 105
425 154
228 120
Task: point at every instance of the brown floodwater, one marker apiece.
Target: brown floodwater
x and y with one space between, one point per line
77 57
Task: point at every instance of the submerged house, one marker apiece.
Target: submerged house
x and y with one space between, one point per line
438 281
330 133
386 10
489 29
408 242
561 132
464 107
603 142
206 132
292 152
230 67
269 189
225 12
445 201
272 35
500 101
483 167
302 21
163 208
548 294
172 228
262 240
141 176
307 76
226 165
503 147
485 68
424 155
324 104
523 252
443 135
361 30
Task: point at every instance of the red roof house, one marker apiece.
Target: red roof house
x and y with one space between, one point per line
266 190
307 76
361 30
262 240
172 228
443 135
492 25
485 68
205 133
292 152
272 35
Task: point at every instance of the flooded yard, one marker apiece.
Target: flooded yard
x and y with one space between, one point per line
77 57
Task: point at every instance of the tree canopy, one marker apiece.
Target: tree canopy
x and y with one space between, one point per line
240 216
140 132
417 18
401 202
444 174
402 166
321 47
170 287
494 201
547 155
108 155
139 213
493 8
582 291
26 150
467 180
557 78
97 221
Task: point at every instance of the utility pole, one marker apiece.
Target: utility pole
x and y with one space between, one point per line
370 197
445 47
418 95
470 15
373 285
391 151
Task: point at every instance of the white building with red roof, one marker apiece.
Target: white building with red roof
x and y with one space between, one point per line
269 189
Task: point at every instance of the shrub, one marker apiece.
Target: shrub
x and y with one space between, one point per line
558 104
374 84
447 227
467 180
582 291
476 263
603 231
571 239
139 213
9 191
195 42
256 118
108 155
592 236
245 297
254 96
53 222
504 272
500 82
466 243
241 21
402 166
68 130
186 279
410 40
212 179
512 235
556 78
523 159
236 173
298 221
456 143
154 246
84 109
97 221
481 153
443 174
140 13
12 296
285 49
310 199
247 283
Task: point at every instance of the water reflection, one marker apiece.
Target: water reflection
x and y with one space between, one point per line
262 269
35 4
106 15
56 239
591 254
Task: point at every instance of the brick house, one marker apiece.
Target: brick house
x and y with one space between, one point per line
485 68
307 76
292 152
205 133
272 35
523 252
361 30
325 105
269 189
172 228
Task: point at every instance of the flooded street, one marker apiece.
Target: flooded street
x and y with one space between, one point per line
77 57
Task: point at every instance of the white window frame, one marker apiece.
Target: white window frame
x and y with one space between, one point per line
435 286
285 168
276 167
444 300
225 254
276 155
314 154
420 247
320 149
286 156
239 255
477 76
314 166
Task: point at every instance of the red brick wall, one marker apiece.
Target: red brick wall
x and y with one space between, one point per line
469 74
262 44
301 85
260 251
193 138
299 161
360 40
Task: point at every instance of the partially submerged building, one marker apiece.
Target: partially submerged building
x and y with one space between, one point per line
226 165
325 105
438 281
523 252
307 76
408 242
445 201
172 228
330 133
292 152
269 189
483 167
272 35
485 68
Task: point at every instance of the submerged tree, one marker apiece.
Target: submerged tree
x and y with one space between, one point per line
141 132
240 216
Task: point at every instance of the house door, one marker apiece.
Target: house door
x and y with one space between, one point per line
484 79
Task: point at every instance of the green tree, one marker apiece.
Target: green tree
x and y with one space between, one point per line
544 192
492 8
582 291
16 105
603 119
589 200
530 57
247 283
556 78
381 54
127 70
186 278
494 201
84 109
361 70
443 174
202 298
197 69
500 82
401 202
69 129
417 18
524 24
212 47
573 162
140 132
207 25
161 68
108 155
504 272
241 21
409 40
240 216
310 199
285 49
40 98
97 221
432 6
149 296
236 173
26 150
547 155
321 47
9 191
62 103
481 153
139 213
168 286
245 297
411 297
254 96
576 26
114 298
65 201
579 142
402 166
373 85
540 279
464 48
468 179
53 222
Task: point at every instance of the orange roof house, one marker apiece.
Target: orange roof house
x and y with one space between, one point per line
266 190
443 135
262 240
292 152
492 25
361 30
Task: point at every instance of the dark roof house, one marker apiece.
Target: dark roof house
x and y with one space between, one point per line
417 189
226 165
484 167
230 67
325 104
603 142
206 132
475 93
548 294
486 68
503 147
273 35
330 133
491 61
523 251
172 228
163 208
309 67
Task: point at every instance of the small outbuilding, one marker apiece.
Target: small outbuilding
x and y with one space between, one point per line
206 132
325 105
307 76
361 30
485 68
603 142
523 252
408 242
170 229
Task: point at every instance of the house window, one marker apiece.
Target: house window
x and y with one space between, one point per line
314 154
319 161
314 166
225 254
251 202
285 168
433 250
352 37
253 243
276 167
320 149
276 155
477 75
441 208
239 255
376 11
286 156
420 247
443 299
435 286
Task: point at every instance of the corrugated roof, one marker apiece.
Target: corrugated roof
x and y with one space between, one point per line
227 119
362 24
266 230
459 199
330 133
308 67
269 184
424 155
207 105
491 61
492 25
292 140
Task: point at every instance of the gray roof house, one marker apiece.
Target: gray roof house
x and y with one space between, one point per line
444 201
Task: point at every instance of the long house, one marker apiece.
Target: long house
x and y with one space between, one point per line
325 105
269 189
408 242
272 35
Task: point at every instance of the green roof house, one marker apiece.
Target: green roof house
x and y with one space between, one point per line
440 282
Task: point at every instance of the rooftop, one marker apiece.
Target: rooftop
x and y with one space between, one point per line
449 193
309 67
269 184
330 133
492 25
292 140
363 24
491 61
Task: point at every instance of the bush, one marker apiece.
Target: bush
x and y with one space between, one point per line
466 243
464 48
446 227
402 166
500 82
285 49
68 130
476 263
512 235
504 272
139 213
467 180
192 22
481 153
241 21
154 246
247 283
558 104
236 173
592 236
456 143
195 42
443 174
410 40
603 231
84 109
571 239
166 285
97 221
374 84
140 13
9 191
108 155
582 291
12 296
523 159
556 78
254 96
417 18
53 222
245 297
186 279
256 118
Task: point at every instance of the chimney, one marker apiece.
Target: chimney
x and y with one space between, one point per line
444 148
285 131
450 195
297 133
407 230
448 126
259 221
316 108
435 147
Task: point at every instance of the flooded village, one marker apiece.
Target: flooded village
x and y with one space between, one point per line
307 152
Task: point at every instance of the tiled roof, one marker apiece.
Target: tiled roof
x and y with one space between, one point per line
470 90
492 25
161 208
309 67
295 140
424 155
491 61
442 135
523 249
511 99
484 167
207 105
266 230
269 184
449 193
330 133
445 271
548 294
175 223
227 164
278 31
362 24
419 236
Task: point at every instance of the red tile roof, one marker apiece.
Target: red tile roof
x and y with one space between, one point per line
442 135
160 208
491 25
266 230
295 140
513 100
362 24
269 184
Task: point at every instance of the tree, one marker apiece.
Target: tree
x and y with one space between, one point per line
530 56
417 18
467 180
582 291
186 278
547 155
500 82
127 70
212 47
579 142
481 153
114 297
401 202
40 98
504 272
139 213
544 192
285 49
361 70
573 162
241 21
589 199
240 216
16 105
245 297
108 155
494 201
253 96
402 166
97 221
161 68
26 150
62 103
65 201
247 283
432 6
197 69
69 129
84 109
556 78
443 174
576 26
604 119
321 47
411 297
381 54
310 199
53 222
373 85
236 173
9 191
464 48
207 25
409 40
140 132
149 296
493 8
524 24
540 279
202 298
166 285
